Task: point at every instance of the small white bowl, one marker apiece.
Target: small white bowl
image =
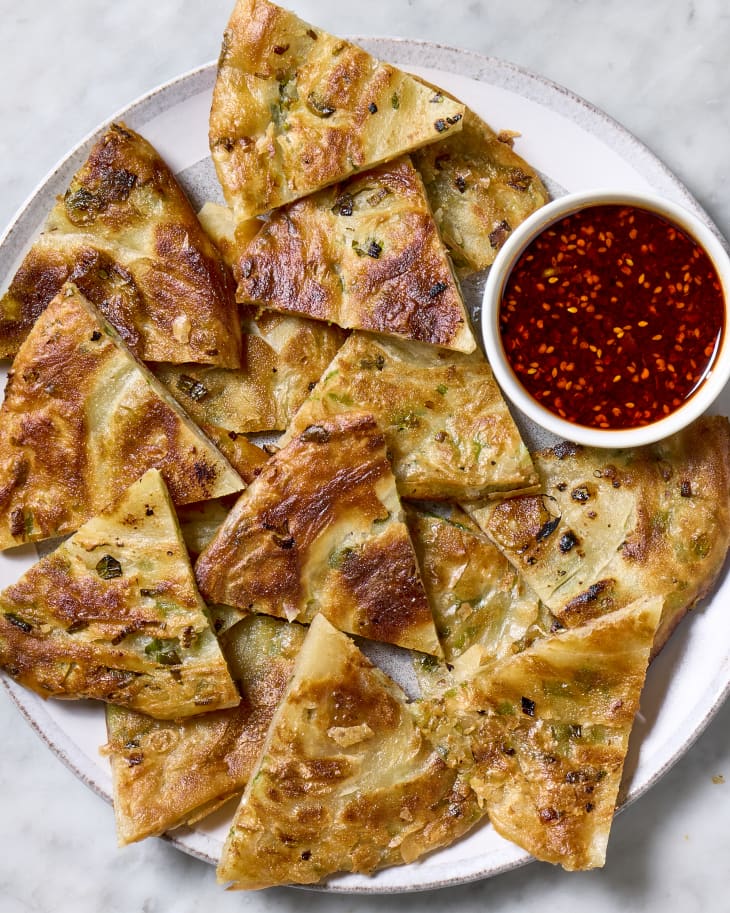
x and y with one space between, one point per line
711 386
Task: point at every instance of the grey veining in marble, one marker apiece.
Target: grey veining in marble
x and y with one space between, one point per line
658 68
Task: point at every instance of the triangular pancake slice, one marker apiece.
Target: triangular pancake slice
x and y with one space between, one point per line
476 596
172 772
113 613
364 254
345 781
126 235
480 190
544 733
612 525
448 429
81 420
295 109
321 529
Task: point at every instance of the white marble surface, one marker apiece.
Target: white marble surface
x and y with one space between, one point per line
661 70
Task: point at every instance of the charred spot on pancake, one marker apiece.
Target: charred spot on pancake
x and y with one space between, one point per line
389 595
593 601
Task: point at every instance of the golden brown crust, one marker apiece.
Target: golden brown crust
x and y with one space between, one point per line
321 529
562 812
283 358
479 189
613 525
81 420
345 782
295 109
448 430
114 614
380 588
126 235
168 773
364 254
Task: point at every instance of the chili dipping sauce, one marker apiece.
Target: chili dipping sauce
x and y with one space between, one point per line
612 317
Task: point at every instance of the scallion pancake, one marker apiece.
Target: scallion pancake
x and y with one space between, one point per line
114 614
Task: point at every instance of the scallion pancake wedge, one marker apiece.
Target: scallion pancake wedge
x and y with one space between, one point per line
243 455
543 735
283 358
295 109
82 419
448 430
168 773
114 614
346 781
219 224
321 529
200 522
612 525
363 254
125 233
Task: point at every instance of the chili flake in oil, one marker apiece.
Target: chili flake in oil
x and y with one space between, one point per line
612 316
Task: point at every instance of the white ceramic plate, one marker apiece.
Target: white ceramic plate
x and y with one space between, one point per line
575 147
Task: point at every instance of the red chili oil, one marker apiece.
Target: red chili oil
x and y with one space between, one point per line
612 317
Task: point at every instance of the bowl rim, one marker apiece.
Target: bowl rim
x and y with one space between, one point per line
715 379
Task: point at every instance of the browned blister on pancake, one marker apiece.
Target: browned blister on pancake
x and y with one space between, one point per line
321 529
125 233
542 736
448 430
364 254
81 420
611 525
295 109
283 358
172 772
479 189
114 614
346 781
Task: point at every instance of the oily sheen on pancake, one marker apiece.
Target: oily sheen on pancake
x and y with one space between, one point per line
542 735
448 429
479 189
476 596
612 525
345 781
283 358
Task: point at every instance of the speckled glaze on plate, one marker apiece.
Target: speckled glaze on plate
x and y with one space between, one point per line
574 146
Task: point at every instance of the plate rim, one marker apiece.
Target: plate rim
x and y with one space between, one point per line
58 740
